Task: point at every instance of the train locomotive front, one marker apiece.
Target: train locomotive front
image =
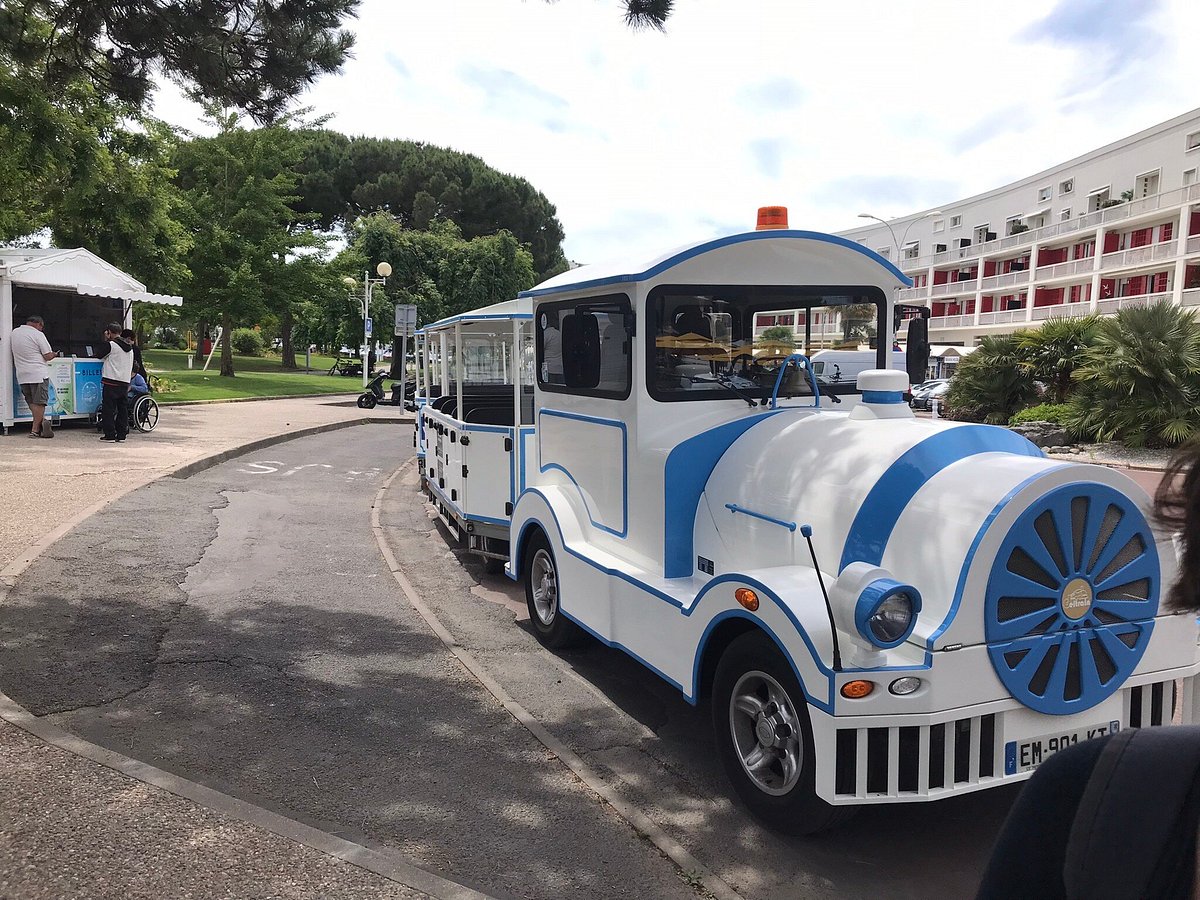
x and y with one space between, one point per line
991 605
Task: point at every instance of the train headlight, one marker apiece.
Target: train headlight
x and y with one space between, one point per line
886 612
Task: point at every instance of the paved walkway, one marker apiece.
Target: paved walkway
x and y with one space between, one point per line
47 483
70 827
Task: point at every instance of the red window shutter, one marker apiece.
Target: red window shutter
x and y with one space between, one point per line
1160 283
1166 232
1112 242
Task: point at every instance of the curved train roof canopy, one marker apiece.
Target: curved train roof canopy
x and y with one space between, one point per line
520 308
799 247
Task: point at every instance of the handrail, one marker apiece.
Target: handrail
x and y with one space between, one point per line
796 358
734 508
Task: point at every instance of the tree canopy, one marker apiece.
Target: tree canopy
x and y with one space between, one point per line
255 55
343 178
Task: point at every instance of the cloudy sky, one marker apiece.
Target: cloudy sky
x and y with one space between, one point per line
646 140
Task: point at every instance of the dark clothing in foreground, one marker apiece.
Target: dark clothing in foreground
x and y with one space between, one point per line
114 410
1145 823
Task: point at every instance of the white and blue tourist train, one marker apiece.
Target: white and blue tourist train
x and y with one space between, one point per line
879 608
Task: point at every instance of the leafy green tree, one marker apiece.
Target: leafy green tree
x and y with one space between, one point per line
1139 382
991 384
239 189
255 55
343 179
1051 352
439 271
126 208
779 334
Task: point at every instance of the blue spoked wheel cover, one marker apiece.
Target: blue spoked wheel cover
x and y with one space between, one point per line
1071 598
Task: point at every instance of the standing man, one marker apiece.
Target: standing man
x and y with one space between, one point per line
115 376
31 355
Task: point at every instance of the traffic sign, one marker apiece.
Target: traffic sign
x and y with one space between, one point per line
406 320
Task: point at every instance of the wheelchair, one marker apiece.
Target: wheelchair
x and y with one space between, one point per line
143 413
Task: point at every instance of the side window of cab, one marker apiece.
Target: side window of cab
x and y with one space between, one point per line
584 347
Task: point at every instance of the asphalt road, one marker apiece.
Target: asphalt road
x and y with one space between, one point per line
239 628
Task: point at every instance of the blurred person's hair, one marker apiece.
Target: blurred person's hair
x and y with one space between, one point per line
1177 505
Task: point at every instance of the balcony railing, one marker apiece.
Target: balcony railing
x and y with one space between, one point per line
1070 267
951 321
1191 297
1002 316
1193 244
1111 214
1061 311
1108 307
916 293
1122 258
953 287
999 281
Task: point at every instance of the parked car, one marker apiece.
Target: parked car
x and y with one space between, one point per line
924 399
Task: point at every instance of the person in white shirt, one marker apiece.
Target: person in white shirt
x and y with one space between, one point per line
115 376
31 356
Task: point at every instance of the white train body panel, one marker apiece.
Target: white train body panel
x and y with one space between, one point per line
1038 580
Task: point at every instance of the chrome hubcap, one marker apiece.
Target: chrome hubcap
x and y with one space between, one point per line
766 733
545 587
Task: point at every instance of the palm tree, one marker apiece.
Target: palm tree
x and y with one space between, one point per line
1051 353
1139 382
991 384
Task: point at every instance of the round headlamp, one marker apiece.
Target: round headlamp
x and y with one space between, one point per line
886 612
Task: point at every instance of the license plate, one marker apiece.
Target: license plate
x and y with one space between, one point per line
1027 755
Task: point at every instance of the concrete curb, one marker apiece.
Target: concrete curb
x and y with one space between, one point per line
254 399
647 828
385 863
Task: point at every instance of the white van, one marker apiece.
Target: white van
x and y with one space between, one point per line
843 366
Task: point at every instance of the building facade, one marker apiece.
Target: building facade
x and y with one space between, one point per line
1116 226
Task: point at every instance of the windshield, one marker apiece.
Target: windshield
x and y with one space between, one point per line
718 343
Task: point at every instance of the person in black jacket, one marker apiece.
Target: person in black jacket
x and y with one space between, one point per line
139 368
1116 817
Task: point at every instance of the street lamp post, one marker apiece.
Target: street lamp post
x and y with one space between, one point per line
889 325
383 270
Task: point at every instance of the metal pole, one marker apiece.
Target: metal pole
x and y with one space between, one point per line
366 311
458 371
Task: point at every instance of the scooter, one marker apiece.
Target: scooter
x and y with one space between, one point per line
374 395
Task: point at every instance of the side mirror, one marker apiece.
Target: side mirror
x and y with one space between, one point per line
916 357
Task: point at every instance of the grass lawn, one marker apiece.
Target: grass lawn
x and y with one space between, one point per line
255 376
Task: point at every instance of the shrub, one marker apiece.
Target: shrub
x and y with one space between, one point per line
1140 382
1055 413
991 384
1052 352
246 341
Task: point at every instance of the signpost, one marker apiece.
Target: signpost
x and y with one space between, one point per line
406 327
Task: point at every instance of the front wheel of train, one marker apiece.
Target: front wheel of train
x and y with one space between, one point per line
764 739
552 628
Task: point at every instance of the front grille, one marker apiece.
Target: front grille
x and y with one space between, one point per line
926 760
915 759
1152 704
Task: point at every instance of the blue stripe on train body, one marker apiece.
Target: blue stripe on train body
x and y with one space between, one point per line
887 500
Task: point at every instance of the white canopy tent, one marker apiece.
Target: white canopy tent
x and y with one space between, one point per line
77 293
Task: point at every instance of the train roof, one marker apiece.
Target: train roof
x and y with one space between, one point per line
630 269
519 308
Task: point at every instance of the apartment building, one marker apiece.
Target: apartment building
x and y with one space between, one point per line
1116 226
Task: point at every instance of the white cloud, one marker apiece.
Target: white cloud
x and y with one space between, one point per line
646 140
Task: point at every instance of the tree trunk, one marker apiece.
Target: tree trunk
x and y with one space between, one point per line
287 351
226 346
397 372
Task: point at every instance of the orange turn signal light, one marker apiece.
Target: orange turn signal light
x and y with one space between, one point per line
856 690
770 217
747 598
